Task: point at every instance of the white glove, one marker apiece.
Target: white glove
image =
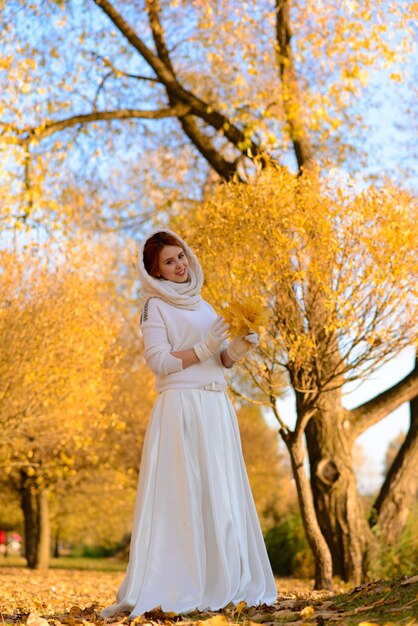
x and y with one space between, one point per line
217 334
241 345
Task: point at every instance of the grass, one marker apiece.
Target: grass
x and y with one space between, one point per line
70 563
383 602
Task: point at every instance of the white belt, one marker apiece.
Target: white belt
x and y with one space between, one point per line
214 387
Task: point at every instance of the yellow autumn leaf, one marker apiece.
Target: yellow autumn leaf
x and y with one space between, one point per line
239 608
307 612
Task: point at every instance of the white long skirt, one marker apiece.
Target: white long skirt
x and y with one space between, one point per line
196 539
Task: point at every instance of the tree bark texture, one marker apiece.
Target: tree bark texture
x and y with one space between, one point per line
317 543
44 539
28 500
399 490
290 86
35 506
339 509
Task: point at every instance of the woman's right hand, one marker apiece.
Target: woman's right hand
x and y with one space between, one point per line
217 333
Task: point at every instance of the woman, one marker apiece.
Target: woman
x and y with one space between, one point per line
196 539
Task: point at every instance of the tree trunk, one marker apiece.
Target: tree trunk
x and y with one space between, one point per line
35 506
392 506
57 544
339 509
44 540
31 531
323 561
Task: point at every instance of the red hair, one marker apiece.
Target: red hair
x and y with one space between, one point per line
153 247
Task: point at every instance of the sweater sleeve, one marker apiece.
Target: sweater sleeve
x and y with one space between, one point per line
156 344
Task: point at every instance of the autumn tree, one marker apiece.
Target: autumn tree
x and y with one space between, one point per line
335 270
230 86
96 508
57 348
95 511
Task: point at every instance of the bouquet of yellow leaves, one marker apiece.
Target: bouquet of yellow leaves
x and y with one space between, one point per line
245 316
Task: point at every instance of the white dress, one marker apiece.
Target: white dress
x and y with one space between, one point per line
196 539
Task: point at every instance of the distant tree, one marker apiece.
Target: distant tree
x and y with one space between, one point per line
96 509
269 473
392 450
57 344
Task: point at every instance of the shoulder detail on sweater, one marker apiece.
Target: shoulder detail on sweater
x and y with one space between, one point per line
144 313
153 309
148 308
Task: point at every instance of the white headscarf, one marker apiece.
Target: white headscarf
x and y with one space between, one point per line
182 295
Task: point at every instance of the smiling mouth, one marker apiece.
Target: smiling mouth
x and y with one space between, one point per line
181 273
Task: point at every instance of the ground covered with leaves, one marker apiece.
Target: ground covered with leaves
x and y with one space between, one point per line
74 597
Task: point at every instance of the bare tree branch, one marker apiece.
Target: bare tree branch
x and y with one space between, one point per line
371 412
290 89
225 169
117 72
175 91
101 86
153 8
162 71
202 142
29 135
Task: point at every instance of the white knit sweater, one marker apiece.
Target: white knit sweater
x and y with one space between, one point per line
167 329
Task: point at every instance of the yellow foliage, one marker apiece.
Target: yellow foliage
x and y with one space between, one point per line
245 316
336 269
58 330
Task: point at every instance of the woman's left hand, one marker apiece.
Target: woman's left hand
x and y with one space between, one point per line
241 345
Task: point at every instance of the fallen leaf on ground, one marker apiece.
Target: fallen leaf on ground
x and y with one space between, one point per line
36 620
308 611
281 615
410 581
239 609
286 604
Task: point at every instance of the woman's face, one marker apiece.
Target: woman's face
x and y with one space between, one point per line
173 264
